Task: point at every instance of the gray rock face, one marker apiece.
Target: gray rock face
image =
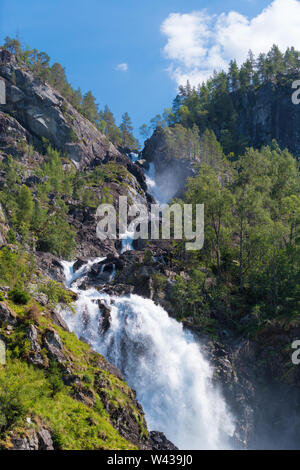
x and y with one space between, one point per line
45 113
35 356
269 113
159 441
2 92
25 443
2 352
105 320
40 440
58 320
12 135
7 316
3 227
45 440
171 173
54 346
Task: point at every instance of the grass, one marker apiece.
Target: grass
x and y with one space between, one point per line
26 391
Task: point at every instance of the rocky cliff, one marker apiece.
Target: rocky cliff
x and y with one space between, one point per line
269 113
44 113
55 392
262 115
69 380
171 172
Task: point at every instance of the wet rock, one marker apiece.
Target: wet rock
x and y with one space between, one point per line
159 441
171 174
143 164
58 320
78 264
104 321
85 318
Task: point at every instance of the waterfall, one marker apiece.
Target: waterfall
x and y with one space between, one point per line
152 186
160 360
127 241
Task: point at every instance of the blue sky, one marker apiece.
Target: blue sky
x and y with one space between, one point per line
90 38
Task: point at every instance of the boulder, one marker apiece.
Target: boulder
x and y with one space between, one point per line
105 318
53 344
40 440
159 441
7 316
45 440
35 356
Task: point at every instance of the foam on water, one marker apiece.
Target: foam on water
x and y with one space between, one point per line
161 361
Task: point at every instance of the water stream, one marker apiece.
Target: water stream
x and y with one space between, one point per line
159 359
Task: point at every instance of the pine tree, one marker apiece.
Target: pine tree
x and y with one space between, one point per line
234 75
108 126
126 129
89 107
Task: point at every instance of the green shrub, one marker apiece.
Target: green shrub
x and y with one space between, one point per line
20 387
148 257
56 294
1 297
11 237
159 281
18 296
16 268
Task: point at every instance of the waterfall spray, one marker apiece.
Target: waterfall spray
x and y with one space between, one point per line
161 361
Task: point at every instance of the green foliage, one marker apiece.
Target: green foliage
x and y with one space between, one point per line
128 140
58 237
11 236
216 104
56 294
54 375
25 205
16 268
27 391
250 262
148 258
20 387
108 126
18 296
159 281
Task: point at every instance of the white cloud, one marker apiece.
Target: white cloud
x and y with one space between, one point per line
198 43
122 67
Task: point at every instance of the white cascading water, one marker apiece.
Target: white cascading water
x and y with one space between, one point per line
158 358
